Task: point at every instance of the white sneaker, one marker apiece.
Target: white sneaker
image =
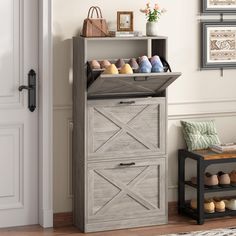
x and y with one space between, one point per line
230 204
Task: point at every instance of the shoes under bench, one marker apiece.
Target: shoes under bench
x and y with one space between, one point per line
215 205
220 179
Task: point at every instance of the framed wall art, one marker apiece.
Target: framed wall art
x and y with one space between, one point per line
218 45
218 6
125 21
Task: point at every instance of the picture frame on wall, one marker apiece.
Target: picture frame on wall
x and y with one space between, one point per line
218 45
218 6
125 21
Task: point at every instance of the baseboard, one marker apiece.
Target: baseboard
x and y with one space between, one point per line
66 218
62 219
172 208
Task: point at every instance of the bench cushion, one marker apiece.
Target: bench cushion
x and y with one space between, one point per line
200 135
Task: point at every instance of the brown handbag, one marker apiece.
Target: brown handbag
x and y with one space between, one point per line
95 27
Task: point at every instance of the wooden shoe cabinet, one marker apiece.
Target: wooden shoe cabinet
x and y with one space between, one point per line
119 137
203 158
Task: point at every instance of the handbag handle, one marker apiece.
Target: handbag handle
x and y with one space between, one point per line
91 11
99 10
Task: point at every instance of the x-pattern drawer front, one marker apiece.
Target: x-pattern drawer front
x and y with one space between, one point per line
126 129
116 191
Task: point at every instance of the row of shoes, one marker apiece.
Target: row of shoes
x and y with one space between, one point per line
215 205
141 65
220 179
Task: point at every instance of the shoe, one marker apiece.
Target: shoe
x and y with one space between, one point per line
157 66
94 64
120 63
232 176
104 64
145 66
194 180
224 179
219 204
211 181
209 206
142 58
193 204
111 70
133 63
230 204
126 69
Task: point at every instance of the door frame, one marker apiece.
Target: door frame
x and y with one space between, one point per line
45 153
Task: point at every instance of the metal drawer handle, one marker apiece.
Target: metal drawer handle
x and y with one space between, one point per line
141 78
128 102
127 164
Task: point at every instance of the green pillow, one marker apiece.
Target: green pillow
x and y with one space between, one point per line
200 135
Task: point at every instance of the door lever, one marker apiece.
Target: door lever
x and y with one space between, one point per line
31 90
24 87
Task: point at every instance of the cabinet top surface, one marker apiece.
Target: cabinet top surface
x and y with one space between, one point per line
207 154
121 38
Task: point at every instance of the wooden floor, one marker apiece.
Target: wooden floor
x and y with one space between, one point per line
176 224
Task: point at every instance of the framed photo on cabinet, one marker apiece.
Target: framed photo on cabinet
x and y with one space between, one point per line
125 21
218 45
218 6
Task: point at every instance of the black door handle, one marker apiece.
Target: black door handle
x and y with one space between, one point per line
31 90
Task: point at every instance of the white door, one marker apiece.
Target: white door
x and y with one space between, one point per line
18 126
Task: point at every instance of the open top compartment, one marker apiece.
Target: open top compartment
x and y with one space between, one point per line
99 85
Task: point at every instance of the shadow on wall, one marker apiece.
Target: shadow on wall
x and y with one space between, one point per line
175 139
62 67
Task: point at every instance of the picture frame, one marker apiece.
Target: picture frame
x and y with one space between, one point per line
218 45
218 6
125 21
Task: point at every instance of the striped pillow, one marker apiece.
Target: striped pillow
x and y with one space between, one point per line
200 135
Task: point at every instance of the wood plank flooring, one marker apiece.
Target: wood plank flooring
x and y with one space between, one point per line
176 224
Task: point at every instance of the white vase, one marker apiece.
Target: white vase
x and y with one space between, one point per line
151 28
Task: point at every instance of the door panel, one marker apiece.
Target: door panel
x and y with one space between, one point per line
18 126
10 61
121 192
126 127
11 158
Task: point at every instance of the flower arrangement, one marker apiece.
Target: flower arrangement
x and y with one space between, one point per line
152 14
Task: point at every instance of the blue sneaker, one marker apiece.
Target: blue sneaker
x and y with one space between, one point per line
145 66
157 66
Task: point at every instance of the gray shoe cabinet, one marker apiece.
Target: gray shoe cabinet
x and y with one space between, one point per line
119 138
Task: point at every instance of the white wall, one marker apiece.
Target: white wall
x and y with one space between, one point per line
197 95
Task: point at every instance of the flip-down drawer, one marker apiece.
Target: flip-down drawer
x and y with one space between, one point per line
137 84
126 127
121 190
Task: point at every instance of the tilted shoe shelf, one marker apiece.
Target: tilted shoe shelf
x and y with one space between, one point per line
119 137
204 158
138 84
120 85
212 190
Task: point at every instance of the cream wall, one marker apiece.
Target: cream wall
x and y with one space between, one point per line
197 95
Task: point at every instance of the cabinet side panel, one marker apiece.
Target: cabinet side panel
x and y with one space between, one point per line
79 101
